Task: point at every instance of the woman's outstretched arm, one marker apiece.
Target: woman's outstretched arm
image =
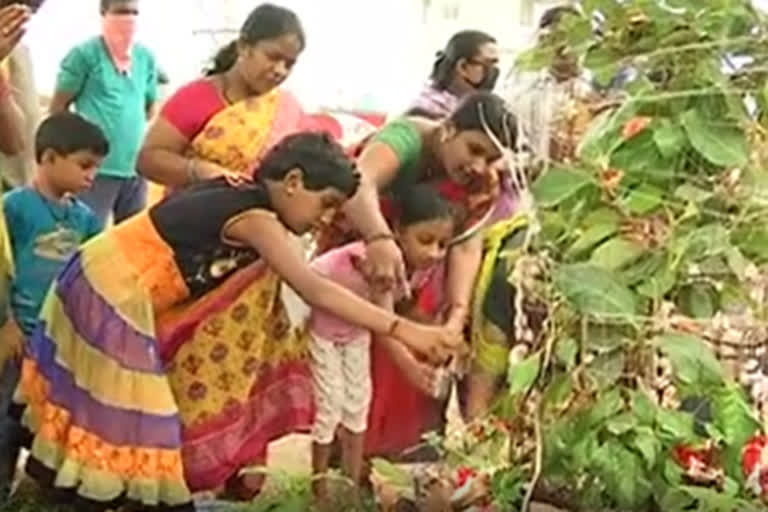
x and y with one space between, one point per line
264 232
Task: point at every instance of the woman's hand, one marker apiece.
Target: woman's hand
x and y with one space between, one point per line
421 375
210 171
13 20
436 344
385 267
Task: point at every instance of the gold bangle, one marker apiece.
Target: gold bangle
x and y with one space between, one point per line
379 237
393 328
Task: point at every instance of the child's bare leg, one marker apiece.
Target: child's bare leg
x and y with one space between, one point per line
352 455
321 456
328 389
357 400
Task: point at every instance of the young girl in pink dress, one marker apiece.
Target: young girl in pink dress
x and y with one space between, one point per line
341 365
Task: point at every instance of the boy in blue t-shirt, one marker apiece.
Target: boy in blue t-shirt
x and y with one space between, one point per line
46 224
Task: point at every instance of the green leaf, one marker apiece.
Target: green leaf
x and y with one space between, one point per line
692 360
673 473
592 290
737 262
616 253
566 351
602 216
669 137
690 193
606 369
658 285
608 405
584 449
597 143
644 199
558 390
621 424
711 500
649 446
534 59
604 63
722 145
735 419
648 265
624 475
522 376
676 500
640 159
698 300
557 185
643 407
676 426
752 241
706 241
392 474
591 237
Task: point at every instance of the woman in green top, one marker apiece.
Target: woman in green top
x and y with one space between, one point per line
460 158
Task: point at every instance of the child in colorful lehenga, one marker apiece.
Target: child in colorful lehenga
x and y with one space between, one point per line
46 224
105 422
341 366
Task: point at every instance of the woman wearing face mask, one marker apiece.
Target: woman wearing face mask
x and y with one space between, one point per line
468 63
459 157
112 80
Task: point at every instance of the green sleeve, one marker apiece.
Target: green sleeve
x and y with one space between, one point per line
405 140
73 71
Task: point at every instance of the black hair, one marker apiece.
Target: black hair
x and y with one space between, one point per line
106 4
485 106
463 45
552 16
32 4
321 160
66 133
421 203
423 113
267 21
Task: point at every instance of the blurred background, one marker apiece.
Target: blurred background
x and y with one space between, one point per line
362 55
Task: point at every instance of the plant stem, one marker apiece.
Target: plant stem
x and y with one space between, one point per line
537 463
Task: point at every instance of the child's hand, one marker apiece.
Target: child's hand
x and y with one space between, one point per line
421 375
11 342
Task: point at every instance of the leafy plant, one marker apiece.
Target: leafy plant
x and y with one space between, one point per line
653 236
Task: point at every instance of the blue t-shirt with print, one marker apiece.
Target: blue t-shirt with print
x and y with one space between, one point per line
44 234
